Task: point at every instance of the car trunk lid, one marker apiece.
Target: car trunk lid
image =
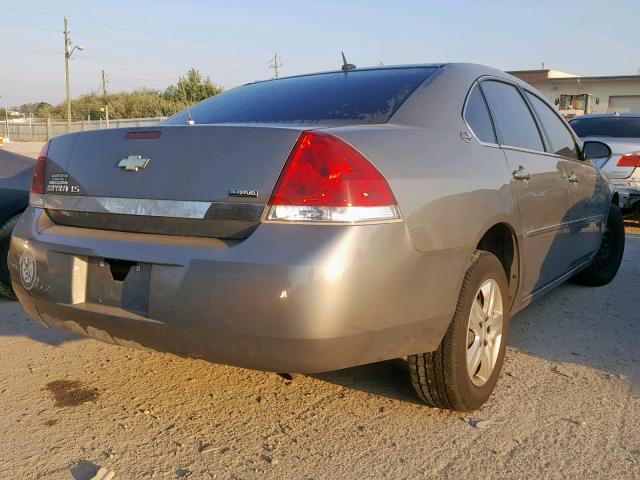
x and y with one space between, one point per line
208 180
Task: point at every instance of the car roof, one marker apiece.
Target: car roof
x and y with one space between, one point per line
481 70
609 115
362 69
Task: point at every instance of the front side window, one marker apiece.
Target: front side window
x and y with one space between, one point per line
561 141
512 118
477 116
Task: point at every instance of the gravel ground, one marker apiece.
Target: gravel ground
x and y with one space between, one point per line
567 406
30 149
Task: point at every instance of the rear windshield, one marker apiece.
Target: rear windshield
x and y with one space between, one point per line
622 127
365 96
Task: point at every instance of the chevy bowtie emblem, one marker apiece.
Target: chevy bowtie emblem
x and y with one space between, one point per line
133 163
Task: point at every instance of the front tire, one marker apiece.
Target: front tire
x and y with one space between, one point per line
462 373
5 240
607 260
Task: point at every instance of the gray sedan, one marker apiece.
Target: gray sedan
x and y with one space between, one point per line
318 222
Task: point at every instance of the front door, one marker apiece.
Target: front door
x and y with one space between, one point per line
588 196
543 200
588 192
539 184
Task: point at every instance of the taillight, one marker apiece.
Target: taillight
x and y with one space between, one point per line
327 180
629 160
38 180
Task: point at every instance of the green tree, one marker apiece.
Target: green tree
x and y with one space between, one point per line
139 103
42 109
192 88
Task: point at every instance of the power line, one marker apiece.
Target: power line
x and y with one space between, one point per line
229 75
30 27
19 10
162 35
120 67
117 75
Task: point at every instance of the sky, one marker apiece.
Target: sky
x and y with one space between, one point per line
150 43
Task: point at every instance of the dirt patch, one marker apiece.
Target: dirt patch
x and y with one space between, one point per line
50 423
632 223
71 393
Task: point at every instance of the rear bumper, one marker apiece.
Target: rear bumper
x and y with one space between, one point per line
290 298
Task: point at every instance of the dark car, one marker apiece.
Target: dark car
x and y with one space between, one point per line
15 180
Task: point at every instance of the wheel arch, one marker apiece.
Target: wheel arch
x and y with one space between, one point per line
501 240
615 199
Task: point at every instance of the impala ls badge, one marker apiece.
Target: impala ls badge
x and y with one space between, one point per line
243 192
133 163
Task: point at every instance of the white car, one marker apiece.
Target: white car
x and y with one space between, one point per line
622 133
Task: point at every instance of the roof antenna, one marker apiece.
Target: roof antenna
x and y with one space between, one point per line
190 120
346 66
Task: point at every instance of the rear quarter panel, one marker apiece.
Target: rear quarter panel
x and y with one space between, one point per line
450 191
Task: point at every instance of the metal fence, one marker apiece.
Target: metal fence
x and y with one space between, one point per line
43 131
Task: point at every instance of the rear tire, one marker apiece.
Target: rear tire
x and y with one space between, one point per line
606 262
5 240
449 378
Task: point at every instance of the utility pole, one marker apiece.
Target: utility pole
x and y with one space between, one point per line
106 100
68 51
6 121
276 64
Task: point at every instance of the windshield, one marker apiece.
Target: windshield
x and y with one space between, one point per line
573 102
622 127
365 96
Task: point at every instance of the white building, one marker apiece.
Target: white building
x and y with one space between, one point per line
619 93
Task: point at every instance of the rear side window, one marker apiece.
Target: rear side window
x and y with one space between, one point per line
561 141
512 118
622 127
477 116
360 96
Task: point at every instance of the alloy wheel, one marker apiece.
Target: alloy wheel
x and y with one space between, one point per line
484 332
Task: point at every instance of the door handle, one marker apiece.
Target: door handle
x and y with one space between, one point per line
573 178
520 174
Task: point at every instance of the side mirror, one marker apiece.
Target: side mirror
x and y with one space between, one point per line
592 150
557 101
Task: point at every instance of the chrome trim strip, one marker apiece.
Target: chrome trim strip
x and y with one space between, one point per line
560 226
147 207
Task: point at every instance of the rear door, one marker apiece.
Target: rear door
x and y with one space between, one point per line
538 182
587 192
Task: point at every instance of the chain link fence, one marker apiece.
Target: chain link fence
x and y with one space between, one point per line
43 131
